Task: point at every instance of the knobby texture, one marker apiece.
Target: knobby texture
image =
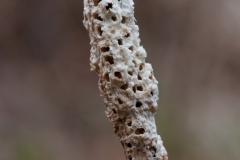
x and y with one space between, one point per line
126 81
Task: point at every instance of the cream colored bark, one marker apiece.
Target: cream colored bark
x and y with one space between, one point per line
126 81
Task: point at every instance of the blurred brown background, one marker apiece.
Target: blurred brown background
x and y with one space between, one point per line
50 107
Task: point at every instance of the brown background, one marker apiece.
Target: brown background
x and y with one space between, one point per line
50 107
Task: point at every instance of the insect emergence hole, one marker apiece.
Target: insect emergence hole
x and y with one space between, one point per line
127 35
151 93
109 5
116 129
120 41
153 150
96 16
100 18
105 49
139 131
118 75
124 87
138 104
139 77
99 30
129 145
131 48
130 73
151 77
114 111
135 63
109 59
85 17
120 101
123 20
114 18
141 67
140 88
106 76
134 89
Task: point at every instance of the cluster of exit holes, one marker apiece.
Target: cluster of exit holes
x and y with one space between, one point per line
110 60
114 18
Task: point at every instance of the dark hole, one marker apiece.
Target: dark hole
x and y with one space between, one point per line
130 158
118 75
134 89
96 2
130 73
139 77
85 16
100 30
141 67
114 111
140 88
150 77
100 18
129 123
152 93
116 129
127 35
114 18
96 16
105 49
102 87
109 59
131 48
120 42
153 150
123 19
124 87
129 145
135 63
139 131
138 104
106 76
120 101
109 5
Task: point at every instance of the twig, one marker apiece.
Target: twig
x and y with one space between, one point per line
126 81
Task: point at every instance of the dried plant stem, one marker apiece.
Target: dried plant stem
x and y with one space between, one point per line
126 81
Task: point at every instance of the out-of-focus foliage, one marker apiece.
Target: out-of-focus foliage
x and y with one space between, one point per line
49 100
28 151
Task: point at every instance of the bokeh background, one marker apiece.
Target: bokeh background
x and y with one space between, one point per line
50 108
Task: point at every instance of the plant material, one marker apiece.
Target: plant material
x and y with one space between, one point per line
126 81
